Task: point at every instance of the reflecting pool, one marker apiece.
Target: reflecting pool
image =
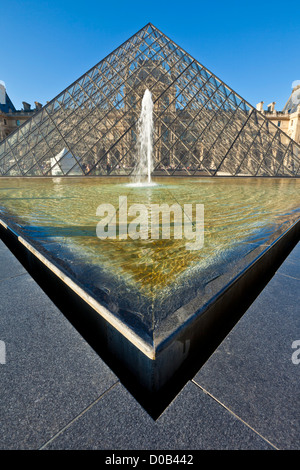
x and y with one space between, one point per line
144 281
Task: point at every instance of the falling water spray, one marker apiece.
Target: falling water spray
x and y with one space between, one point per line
144 165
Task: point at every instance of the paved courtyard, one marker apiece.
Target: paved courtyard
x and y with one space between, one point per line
57 393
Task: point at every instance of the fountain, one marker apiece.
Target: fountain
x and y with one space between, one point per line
144 164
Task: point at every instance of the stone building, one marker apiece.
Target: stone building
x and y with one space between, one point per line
10 117
289 118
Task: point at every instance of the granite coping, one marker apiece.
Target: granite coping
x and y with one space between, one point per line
192 421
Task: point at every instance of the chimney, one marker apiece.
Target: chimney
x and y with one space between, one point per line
26 106
260 106
271 107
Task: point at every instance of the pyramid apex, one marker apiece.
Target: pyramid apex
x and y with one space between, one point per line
150 24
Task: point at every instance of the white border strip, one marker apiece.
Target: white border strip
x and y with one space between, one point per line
2 223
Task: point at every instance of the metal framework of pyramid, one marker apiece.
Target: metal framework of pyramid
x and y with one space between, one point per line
202 127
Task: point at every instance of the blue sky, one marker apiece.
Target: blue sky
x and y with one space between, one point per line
254 46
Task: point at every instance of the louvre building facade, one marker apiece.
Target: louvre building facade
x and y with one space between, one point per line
201 126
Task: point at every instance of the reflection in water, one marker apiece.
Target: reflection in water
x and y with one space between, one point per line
61 215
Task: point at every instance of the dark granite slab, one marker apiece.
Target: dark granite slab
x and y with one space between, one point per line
291 266
193 421
252 372
51 374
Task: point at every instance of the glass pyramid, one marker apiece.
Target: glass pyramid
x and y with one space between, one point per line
202 127
293 101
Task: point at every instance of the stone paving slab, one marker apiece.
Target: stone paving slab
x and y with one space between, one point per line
192 421
50 373
10 266
252 372
291 266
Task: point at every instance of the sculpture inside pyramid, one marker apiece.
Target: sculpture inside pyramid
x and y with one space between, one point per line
201 126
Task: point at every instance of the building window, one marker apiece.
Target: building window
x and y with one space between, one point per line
5 122
278 124
17 122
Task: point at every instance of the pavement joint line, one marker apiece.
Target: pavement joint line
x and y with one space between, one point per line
12 277
78 416
291 277
235 415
